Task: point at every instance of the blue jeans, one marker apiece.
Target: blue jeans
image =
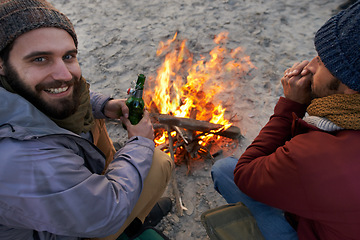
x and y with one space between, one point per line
270 220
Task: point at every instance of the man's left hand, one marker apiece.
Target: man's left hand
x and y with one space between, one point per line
296 83
116 108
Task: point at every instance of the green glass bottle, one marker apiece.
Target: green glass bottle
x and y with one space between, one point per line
135 102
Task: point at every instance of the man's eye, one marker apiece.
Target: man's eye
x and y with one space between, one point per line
39 59
68 57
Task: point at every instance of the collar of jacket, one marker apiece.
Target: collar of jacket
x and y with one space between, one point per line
21 120
299 126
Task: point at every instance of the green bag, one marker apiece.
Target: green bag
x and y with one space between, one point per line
230 222
148 233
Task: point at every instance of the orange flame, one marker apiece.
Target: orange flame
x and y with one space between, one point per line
186 89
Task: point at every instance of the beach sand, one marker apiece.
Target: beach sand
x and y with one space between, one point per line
118 39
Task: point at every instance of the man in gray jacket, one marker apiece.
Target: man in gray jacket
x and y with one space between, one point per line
60 177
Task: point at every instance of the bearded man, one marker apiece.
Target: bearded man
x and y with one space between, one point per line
60 176
299 177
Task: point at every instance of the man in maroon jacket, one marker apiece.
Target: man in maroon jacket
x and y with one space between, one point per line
305 162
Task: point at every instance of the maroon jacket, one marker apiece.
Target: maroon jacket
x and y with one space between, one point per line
313 174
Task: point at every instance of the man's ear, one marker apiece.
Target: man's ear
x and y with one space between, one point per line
2 72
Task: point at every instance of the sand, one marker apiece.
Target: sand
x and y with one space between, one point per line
118 39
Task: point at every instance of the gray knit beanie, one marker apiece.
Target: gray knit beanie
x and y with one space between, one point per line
337 43
20 16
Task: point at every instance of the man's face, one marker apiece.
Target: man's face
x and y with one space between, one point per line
44 69
323 82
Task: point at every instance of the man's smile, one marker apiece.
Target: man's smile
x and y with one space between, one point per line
56 90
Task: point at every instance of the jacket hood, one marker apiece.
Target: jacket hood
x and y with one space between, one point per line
21 120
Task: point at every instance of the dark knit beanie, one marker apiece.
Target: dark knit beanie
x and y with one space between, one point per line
337 43
20 16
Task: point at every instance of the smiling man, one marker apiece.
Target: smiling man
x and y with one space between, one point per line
43 68
299 177
60 177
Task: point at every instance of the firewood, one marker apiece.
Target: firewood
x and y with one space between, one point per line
178 205
183 134
232 132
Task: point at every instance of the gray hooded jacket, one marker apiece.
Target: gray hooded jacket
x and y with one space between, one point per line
51 185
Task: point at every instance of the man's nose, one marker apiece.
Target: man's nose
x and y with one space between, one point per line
61 71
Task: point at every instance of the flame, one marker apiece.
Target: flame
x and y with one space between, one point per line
186 89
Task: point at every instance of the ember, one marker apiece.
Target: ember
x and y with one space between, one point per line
187 90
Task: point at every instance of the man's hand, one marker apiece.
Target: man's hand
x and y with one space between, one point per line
296 83
144 128
115 108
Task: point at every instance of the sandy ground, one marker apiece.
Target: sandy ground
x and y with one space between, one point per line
118 39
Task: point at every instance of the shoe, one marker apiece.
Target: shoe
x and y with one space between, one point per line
132 230
161 209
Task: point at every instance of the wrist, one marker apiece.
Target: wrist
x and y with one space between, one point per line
103 106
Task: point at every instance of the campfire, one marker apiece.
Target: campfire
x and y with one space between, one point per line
185 98
187 101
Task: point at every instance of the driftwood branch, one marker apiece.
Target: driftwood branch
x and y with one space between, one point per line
232 132
178 204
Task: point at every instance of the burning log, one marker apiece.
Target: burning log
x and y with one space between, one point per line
188 133
232 132
189 142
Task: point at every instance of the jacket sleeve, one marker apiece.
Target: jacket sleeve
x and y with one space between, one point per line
98 102
266 170
45 186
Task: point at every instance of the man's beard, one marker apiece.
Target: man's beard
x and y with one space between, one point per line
61 110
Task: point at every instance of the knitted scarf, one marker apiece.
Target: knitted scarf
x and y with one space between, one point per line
82 120
335 112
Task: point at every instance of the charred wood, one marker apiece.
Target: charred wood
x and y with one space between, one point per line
232 132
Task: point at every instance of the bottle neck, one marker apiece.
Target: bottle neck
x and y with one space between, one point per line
139 86
140 82
138 93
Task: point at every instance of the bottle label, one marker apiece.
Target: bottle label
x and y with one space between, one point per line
138 93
